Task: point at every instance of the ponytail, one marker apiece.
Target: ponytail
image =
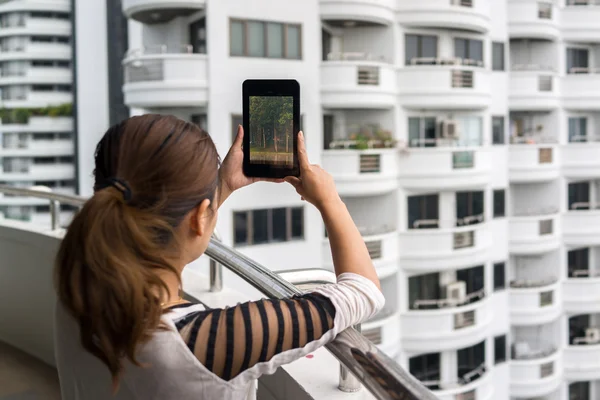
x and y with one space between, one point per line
106 276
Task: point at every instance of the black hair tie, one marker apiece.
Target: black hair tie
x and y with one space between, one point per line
121 186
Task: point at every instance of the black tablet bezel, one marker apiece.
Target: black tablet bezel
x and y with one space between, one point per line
270 87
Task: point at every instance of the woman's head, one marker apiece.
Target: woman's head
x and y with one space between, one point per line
153 211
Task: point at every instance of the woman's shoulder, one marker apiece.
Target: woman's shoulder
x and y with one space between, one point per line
183 311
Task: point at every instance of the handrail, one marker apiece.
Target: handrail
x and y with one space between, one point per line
381 375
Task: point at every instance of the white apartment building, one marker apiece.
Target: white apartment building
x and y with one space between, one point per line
37 141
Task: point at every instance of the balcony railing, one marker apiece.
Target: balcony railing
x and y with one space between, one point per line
468 62
528 283
462 3
449 303
522 350
354 56
583 70
544 10
380 374
469 376
583 2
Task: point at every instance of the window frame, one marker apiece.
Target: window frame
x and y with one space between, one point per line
265 24
250 231
494 203
496 285
419 37
495 62
503 119
496 345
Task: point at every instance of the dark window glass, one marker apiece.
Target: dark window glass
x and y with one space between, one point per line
42 209
298 223
469 204
423 287
473 277
325 44
579 391
260 225
498 130
426 368
275 40
293 44
422 132
579 263
240 227
199 120
265 39
327 131
498 56
423 211
499 203
499 349
237 41
42 88
577 61
579 196
578 129
499 276
577 326
279 224
469 49
198 36
470 359
420 46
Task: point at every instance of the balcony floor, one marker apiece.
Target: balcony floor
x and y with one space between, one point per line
22 377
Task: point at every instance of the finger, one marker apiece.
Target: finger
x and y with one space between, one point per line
239 138
272 180
292 180
302 155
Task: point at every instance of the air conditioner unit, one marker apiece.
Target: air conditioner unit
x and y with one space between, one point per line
456 292
449 129
592 335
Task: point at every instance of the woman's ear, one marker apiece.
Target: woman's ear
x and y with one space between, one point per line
200 218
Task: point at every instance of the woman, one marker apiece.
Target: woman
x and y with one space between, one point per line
120 316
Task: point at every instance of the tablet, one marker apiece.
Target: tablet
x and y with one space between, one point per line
271 126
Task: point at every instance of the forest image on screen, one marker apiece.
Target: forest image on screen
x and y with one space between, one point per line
271 130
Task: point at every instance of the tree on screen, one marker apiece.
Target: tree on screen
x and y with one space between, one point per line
271 122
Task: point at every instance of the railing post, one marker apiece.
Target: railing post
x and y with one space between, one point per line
54 214
348 382
216 271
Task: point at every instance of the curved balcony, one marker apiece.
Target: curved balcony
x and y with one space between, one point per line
580 160
581 227
37 26
358 84
444 86
582 363
383 249
374 11
444 167
384 332
536 377
530 19
448 328
533 89
41 172
450 14
533 162
534 234
445 249
534 303
362 172
480 389
579 21
582 295
165 79
36 51
160 11
35 124
581 89
35 75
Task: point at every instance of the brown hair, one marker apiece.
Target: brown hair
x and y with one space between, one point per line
107 264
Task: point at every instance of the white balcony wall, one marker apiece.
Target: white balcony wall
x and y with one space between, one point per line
445 14
526 378
376 11
524 20
581 91
579 23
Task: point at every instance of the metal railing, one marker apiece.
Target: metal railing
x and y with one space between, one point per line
381 375
583 2
450 302
468 62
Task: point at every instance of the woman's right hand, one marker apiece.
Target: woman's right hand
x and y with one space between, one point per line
315 185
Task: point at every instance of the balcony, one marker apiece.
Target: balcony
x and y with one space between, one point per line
160 11
374 11
36 51
443 86
471 15
362 172
582 294
533 88
383 249
41 172
579 21
480 389
580 160
444 168
580 225
582 363
581 89
533 162
535 303
384 332
536 377
37 26
351 80
36 99
40 148
34 75
536 233
532 19
449 327
35 124
166 79
445 249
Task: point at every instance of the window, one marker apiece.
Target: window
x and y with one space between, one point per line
497 56
423 211
423 287
469 360
199 120
577 129
420 49
469 49
41 63
499 203
42 209
426 368
499 349
198 36
42 88
499 276
579 196
469 208
422 132
473 277
498 130
579 263
544 10
327 131
265 39
577 326
579 391
577 60
268 225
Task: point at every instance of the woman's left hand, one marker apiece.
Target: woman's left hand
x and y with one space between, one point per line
231 174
